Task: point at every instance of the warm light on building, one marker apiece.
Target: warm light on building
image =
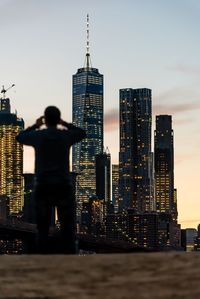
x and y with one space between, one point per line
164 165
11 160
115 187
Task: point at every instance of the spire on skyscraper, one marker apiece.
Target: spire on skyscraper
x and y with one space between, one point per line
88 59
87 114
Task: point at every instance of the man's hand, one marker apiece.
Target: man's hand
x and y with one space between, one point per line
40 121
63 123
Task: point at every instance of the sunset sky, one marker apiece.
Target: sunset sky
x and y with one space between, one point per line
147 43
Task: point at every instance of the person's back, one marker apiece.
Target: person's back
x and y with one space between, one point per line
52 155
53 187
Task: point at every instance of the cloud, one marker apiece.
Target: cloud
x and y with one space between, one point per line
111 120
181 157
186 69
178 94
184 121
175 108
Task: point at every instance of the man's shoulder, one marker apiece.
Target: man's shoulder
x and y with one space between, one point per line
55 132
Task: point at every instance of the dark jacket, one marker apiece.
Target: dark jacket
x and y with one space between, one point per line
52 148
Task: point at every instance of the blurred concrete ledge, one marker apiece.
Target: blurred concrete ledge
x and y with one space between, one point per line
136 276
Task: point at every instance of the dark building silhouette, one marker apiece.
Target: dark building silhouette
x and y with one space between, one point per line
164 166
135 149
11 246
197 240
183 239
87 114
4 207
116 227
29 214
143 229
86 218
103 179
165 239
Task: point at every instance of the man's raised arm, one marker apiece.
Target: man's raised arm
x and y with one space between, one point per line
27 136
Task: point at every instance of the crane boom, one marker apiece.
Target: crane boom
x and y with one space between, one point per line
5 90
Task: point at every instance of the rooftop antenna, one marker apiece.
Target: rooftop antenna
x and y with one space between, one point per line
88 35
5 90
88 43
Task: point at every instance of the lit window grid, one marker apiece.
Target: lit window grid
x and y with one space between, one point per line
11 167
88 114
135 128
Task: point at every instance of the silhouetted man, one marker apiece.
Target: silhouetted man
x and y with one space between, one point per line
53 186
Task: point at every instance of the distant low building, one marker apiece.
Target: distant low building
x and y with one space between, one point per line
197 240
191 234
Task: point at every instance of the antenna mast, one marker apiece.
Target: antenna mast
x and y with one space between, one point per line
88 35
88 62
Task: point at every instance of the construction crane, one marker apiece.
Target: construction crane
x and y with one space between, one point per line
5 90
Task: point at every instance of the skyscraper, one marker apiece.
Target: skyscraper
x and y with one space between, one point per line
164 165
103 177
115 187
87 114
103 181
135 149
11 158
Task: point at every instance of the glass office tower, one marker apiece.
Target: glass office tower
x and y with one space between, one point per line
87 114
135 150
164 166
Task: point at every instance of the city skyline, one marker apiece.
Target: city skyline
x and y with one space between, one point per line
41 53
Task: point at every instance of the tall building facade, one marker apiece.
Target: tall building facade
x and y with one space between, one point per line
135 149
115 187
103 176
11 158
164 166
87 114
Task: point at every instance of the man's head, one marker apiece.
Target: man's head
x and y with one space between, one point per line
52 116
